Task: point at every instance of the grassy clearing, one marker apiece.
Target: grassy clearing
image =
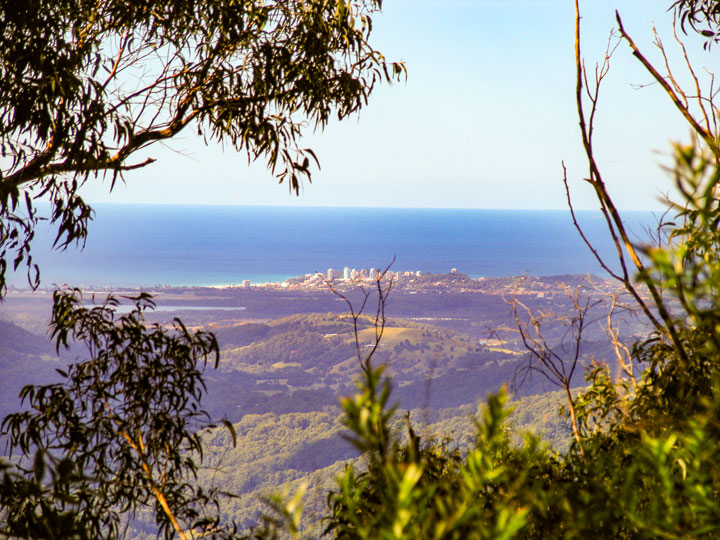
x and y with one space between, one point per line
504 351
280 365
392 335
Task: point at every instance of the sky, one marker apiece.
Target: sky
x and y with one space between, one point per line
485 119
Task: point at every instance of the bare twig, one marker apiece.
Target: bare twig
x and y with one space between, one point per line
615 224
675 97
559 362
383 288
622 351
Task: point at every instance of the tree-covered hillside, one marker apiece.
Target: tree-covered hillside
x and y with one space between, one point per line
284 408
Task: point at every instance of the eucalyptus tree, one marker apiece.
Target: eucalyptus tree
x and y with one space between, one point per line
117 435
88 85
702 16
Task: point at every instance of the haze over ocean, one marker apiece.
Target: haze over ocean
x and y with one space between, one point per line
145 245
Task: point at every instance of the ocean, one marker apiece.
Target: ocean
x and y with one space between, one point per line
149 245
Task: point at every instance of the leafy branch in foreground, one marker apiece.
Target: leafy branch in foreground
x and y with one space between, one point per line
89 85
702 16
119 434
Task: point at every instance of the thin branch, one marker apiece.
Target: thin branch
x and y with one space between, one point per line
365 360
139 449
543 357
114 69
622 352
625 278
581 231
670 76
704 134
614 222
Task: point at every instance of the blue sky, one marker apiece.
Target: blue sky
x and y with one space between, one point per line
484 119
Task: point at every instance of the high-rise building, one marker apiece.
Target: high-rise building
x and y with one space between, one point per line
373 273
246 283
354 274
346 273
330 274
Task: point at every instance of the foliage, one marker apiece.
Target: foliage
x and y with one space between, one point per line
414 491
87 85
118 434
645 460
703 16
644 463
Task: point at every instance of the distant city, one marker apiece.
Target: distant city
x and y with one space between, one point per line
348 275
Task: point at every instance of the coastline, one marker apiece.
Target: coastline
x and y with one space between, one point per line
221 247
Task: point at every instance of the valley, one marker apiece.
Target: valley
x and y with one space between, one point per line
288 355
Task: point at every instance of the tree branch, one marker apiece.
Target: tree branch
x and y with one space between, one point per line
614 222
704 134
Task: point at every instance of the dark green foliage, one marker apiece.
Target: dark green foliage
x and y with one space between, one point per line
87 84
118 434
703 16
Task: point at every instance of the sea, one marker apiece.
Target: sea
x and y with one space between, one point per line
174 245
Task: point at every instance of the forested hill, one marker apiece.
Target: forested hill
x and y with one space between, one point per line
305 361
280 379
25 358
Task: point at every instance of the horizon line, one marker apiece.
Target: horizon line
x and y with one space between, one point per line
345 206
